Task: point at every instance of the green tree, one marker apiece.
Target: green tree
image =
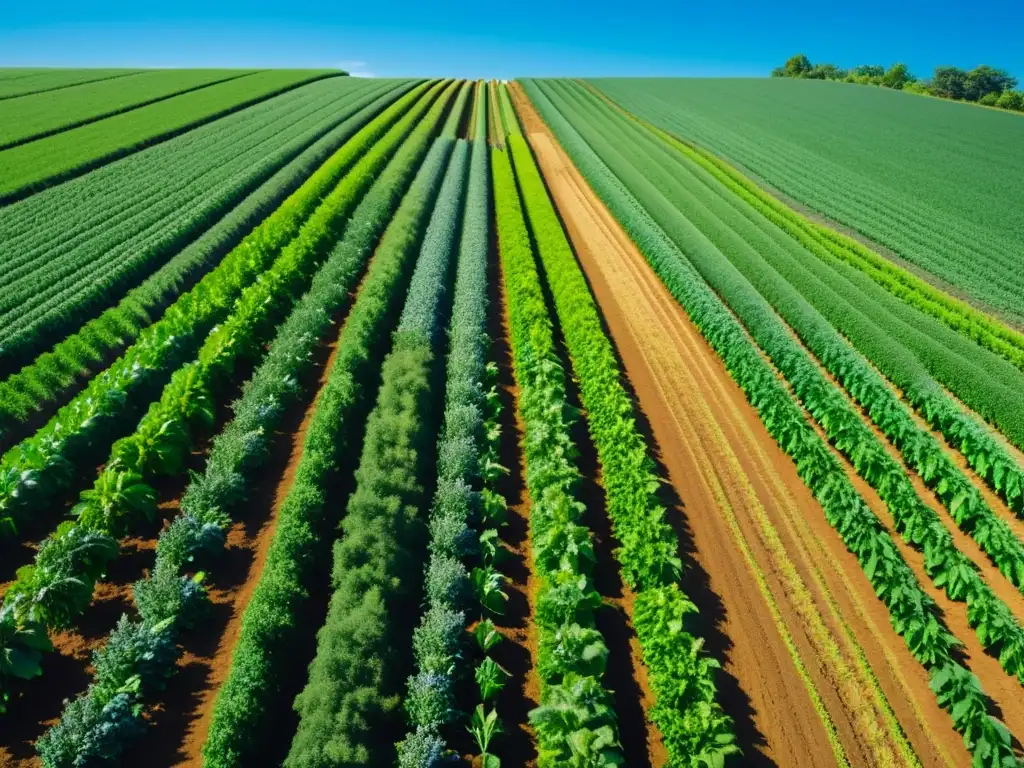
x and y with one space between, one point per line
950 82
984 80
796 66
897 76
826 72
1011 100
869 70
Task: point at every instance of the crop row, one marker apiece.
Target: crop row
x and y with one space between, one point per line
242 719
29 167
350 706
169 599
575 722
22 81
165 435
35 470
50 376
913 614
33 117
694 728
460 579
892 187
920 526
56 284
822 240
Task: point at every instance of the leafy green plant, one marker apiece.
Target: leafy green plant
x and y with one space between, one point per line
490 677
485 726
487 635
22 644
487 585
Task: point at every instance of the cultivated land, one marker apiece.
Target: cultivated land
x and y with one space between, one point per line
935 182
370 422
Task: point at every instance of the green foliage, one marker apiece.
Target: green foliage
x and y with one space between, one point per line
888 172
912 613
351 698
52 159
562 553
270 621
22 645
38 468
648 551
278 172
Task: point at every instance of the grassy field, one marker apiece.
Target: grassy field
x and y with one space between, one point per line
936 182
50 159
28 117
21 81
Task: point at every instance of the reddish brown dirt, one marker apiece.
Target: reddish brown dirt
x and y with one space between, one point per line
702 424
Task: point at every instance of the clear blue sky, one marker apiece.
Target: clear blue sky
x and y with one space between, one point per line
512 38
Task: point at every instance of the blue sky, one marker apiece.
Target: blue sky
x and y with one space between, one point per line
510 39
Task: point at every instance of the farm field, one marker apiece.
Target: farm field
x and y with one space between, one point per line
364 421
834 149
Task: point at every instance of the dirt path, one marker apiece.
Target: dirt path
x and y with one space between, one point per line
723 462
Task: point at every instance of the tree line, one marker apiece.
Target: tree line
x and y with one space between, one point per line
983 84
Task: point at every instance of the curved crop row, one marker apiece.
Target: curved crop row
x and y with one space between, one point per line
240 727
164 437
693 726
198 532
51 374
349 706
37 468
913 614
575 722
1000 632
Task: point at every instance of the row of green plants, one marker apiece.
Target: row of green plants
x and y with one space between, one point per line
825 242
97 260
996 626
58 587
765 264
33 472
907 347
913 614
260 681
575 723
987 457
694 728
350 708
462 585
197 534
49 377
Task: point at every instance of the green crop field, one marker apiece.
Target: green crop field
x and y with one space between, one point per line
36 115
21 81
421 422
39 163
936 182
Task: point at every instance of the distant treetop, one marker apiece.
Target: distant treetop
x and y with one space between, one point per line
983 84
